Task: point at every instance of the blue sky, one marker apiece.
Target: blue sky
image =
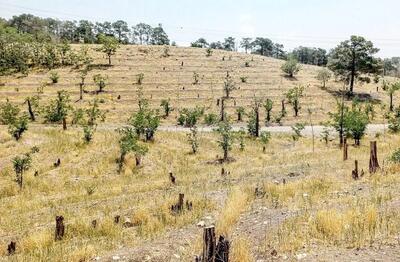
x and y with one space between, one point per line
290 22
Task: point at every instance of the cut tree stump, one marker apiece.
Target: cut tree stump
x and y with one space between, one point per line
222 252
354 173
209 244
373 159
172 178
116 219
11 248
60 229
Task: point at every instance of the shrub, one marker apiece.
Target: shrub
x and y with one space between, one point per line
21 164
166 106
243 79
293 95
193 139
226 137
395 157
196 78
8 113
265 136
54 77
139 78
100 81
209 52
129 142
297 128
18 127
323 75
268 108
189 117
210 119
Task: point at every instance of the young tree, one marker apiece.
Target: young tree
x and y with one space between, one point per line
165 104
265 136
253 125
297 128
224 129
352 58
129 142
109 46
291 67
100 81
324 75
21 164
246 44
240 136
82 76
8 113
229 85
89 124
200 43
196 78
293 95
355 123
390 89
18 127
338 119
240 111
57 110
268 107
193 139
54 77
189 117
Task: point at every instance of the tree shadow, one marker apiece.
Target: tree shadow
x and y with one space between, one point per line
290 78
360 96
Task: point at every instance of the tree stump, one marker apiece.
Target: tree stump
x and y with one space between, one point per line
209 244
178 207
218 102
283 106
222 252
354 173
94 223
60 229
11 248
64 123
116 219
345 148
373 159
172 178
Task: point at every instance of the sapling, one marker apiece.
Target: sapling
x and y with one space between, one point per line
268 108
265 136
297 129
193 139
54 77
293 96
225 141
100 81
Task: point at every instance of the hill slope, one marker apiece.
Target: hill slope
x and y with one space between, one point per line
166 78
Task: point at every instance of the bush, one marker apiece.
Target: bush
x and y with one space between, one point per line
18 127
395 157
8 113
189 117
210 119
100 81
54 77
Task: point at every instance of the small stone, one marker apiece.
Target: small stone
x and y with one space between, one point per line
177 256
127 223
301 256
115 258
201 224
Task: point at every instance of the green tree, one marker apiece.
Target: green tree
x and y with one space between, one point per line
225 141
22 164
240 111
18 127
129 142
324 75
265 137
268 108
355 123
291 67
390 89
193 139
352 58
253 125
246 44
229 85
109 46
100 81
165 104
57 110
89 124
189 117
297 128
293 95
8 113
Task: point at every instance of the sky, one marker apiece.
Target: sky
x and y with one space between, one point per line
314 23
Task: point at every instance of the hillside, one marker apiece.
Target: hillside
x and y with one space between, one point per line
166 78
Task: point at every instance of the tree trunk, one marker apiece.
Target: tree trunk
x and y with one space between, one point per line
222 252
80 91
109 59
345 147
283 107
296 108
225 154
138 160
391 103
31 114
121 162
11 248
64 123
257 122
239 116
353 73
222 109
354 173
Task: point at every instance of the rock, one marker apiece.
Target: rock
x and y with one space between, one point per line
274 253
116 258
127 223
265 222
177 256
301 256
147 258
97 258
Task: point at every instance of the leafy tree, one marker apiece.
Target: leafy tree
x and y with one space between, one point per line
216 45
391 89
246 44
229 44
82 75
210 119
268 108
291 67
240 136
129 142
21 164
229 85
297 128
324 75
200 43
109 46
121 29
18 127
8 113
225 141
355 123
158 36
293 95
263 46
325 135
338 119
265 136
100 81
240 111
146 120
89 125
193 139
310 55
352 58
143 33
189 117
209 52
57 110
165 104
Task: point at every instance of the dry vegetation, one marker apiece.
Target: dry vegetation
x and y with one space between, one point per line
306 202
